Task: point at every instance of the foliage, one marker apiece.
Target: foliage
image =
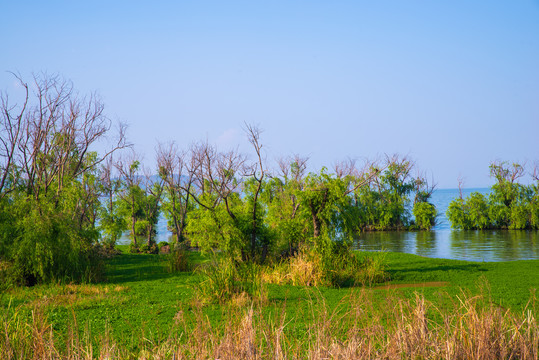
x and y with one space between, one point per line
385 201
509 205
50 182
425 215
340 267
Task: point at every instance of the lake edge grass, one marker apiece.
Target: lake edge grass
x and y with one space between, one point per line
139 284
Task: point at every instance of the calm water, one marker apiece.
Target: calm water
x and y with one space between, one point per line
441 242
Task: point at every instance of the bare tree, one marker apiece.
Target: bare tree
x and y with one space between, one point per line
460 180
50 140
423 187
346 168
214 173
11 130
257 172
293 171
504 172
535 174
177 171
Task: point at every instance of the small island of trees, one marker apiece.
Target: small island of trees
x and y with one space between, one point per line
509 204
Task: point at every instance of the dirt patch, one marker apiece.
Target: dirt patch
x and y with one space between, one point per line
416 285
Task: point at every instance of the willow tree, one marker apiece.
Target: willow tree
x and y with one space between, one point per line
49 179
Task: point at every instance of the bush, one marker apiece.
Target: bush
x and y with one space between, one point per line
425 215
346 268
46 245
134 248
162 244
149 249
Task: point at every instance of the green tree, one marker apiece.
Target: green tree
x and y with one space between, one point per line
509 205
49 181
112 222
425 215
131 195
178 179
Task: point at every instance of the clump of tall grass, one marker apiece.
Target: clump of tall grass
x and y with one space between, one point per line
303 269
178 258
465 327
227 281
310 268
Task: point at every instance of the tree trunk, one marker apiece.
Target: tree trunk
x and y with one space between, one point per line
316 225
133 222
149 229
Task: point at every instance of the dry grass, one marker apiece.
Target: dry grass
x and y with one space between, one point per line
466 327
304 269
72 294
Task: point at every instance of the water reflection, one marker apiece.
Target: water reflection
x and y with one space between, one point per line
501 245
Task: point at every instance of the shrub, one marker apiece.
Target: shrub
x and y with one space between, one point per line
149 249
342 268
134 248
425 215
46 245
178 259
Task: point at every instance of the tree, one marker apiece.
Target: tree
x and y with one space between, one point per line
49 179
177 172
130 193
215 221
153 190
257 172
280 198
229 212
112 222
509 205
384 202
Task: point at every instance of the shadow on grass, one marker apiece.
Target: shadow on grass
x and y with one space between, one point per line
452 272
135 267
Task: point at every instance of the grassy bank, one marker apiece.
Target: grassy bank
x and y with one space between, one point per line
143 307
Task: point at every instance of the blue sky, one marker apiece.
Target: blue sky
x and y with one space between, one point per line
454 84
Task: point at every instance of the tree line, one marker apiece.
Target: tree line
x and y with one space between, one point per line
63 202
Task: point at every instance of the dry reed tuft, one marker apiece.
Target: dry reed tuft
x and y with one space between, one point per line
304 269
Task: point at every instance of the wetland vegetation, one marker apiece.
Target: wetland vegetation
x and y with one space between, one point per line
261 264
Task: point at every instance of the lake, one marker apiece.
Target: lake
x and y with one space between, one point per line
441 242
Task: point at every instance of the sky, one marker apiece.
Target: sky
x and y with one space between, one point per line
454 85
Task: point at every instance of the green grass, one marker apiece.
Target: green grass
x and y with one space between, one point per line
140 298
